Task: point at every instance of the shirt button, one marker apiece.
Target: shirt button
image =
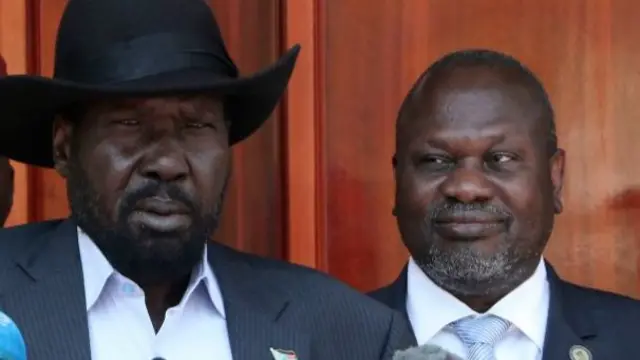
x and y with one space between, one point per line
128 289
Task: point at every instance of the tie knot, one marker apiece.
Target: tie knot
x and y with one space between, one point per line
485 330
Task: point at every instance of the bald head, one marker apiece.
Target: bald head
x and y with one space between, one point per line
482 69
6 189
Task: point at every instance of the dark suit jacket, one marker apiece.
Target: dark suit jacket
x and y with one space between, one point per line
268 303
608 325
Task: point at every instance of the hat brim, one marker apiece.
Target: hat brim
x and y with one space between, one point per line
28 104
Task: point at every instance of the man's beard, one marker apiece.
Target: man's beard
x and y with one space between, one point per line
467 272
145 256
464 270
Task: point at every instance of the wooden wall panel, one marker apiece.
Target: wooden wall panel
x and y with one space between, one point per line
253 215
49 189
252 218
302 130
586 52
14 47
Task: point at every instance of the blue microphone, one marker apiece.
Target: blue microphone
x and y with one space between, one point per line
12 345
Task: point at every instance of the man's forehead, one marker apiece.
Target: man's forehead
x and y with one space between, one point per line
473 78
198 102
473 95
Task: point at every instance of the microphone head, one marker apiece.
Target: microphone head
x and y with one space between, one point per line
424 352
12 346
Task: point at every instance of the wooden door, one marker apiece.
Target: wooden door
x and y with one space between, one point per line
587 53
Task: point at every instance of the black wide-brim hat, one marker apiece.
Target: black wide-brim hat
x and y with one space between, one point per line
129 48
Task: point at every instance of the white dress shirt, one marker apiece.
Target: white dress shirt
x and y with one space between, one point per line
431 309
120 326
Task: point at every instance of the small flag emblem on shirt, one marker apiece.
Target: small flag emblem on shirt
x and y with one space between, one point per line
283 354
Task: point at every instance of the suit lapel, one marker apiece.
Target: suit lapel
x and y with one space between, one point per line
44 294
569 325
255 306
395 296
398 292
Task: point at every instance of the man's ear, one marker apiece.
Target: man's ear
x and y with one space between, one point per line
556 164
62 135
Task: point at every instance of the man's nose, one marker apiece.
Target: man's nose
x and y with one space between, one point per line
468 183
165 161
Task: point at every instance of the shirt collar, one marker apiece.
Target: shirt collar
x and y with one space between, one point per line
98 272
431 308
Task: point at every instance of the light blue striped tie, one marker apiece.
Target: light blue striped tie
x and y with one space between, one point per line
480 334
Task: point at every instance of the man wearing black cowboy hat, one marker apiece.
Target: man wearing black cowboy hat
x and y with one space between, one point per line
144 106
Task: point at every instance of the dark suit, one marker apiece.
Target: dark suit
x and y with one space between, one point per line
607 324
268 303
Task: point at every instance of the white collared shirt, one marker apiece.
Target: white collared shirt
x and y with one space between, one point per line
431 309
120 326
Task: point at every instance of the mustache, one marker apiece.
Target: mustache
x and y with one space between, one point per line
450 209
157 188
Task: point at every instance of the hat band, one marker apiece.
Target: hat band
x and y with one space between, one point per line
146 56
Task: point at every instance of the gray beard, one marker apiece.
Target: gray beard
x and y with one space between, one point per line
467 272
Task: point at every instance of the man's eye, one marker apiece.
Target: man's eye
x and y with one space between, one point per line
435 163
435 160
199 125
127 122
501 158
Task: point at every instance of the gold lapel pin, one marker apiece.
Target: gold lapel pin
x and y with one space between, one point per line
579 352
